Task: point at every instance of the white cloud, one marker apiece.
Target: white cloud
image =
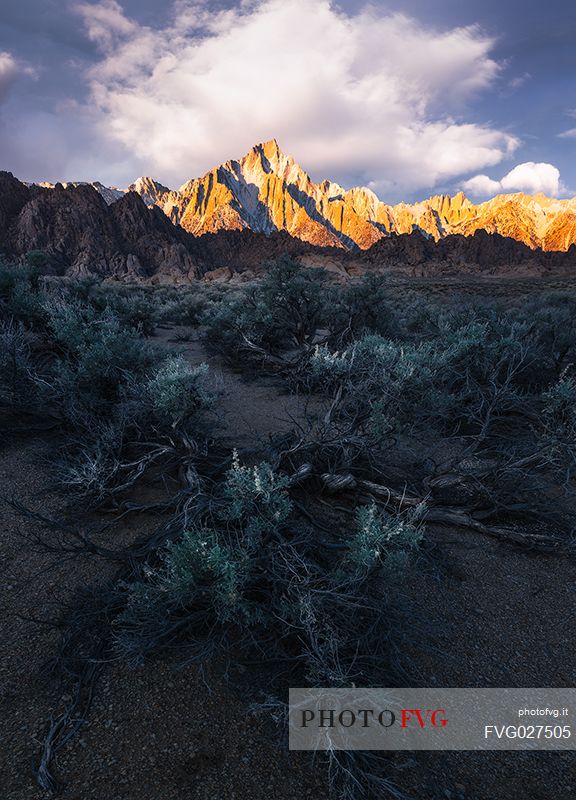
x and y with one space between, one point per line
520 80
569 134
482 186
517 83
105 21
529 177
9 72
374 96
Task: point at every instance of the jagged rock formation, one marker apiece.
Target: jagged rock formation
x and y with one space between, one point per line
247 252
481 252
127 239
81 234
561 233
267 191
109 193
133 237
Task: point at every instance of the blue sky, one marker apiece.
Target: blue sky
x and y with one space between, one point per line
409 98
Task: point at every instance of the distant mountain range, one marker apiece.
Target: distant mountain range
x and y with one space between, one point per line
242 215
267 191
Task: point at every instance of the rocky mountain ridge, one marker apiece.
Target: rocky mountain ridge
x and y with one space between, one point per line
267 191
133 239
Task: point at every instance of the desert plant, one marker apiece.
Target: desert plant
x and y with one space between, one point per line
385 538
253 566
21 297
37 259
250 576
281 313
18 385
176 390
362 307
97 354
187 307
123 405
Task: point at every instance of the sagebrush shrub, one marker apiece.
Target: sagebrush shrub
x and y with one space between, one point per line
37 259
18 385
21 297
557 438
362 307
559 402
177 389
91 466
73 348
385 538
98 355
282 312
218 565
250 567
256 495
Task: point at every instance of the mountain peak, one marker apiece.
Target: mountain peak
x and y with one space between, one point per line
150 190
270 155
270 148
267 159
267 191
145 184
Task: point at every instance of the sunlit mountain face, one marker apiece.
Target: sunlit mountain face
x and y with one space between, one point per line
267 191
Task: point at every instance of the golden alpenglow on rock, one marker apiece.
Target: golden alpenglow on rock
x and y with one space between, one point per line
267 191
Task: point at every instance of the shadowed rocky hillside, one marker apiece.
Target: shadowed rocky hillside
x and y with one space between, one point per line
131 239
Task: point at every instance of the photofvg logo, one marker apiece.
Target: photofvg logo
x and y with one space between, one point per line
367 717
431 719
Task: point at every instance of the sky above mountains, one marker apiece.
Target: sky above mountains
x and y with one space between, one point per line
409 98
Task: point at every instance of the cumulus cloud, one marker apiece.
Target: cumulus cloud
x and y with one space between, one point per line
529 177
9 72
372 96
569 134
